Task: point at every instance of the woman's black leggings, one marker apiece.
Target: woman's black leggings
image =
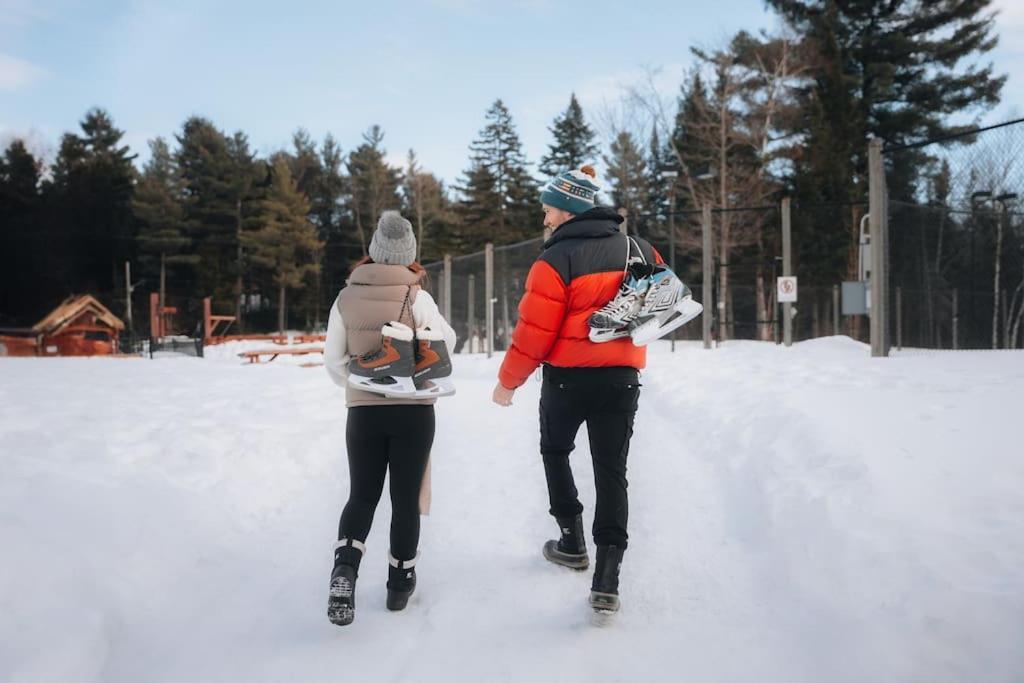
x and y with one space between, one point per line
380 438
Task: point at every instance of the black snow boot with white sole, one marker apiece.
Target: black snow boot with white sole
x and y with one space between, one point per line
604 591
570 550
401 582
341 600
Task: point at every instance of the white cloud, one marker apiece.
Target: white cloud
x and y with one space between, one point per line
17 73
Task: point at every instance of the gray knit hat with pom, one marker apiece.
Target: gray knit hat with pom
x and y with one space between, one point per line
393 241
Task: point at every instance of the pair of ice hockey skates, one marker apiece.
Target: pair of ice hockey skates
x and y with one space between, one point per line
412 365
570 550
341 600
650 303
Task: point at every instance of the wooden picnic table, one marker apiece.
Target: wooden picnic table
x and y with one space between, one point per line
256 356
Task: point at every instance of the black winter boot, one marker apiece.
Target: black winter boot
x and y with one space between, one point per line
570 550
604 591
401 582
341 601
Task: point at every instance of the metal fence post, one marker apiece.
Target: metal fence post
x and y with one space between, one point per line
787 269
835 310
956 321
706 285
878 219
446 294
471 313
899 318
489 296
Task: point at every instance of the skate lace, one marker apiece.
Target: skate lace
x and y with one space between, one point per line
617 307
372 355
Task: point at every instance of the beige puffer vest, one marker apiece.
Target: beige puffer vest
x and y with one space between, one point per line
374 296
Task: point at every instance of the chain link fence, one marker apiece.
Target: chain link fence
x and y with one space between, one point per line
460 286
742 283
956 240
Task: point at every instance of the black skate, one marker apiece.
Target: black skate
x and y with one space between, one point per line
570 550
341 598
614 320
401 582
604 591
432 374
668 305
388 370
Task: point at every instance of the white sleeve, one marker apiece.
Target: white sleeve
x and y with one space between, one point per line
426 314
336 348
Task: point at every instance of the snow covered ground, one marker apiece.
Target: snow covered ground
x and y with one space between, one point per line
808 514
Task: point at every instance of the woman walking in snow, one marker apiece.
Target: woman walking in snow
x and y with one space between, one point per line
382 434
579 271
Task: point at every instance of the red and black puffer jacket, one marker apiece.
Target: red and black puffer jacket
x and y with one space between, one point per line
579 271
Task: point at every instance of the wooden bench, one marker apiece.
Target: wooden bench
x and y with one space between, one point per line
256 356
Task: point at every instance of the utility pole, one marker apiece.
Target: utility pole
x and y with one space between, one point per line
787 268
671 176
706 259
1000 228
489 296
128 297
446 293
878 211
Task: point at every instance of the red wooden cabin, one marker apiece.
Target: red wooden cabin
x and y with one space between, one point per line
80 326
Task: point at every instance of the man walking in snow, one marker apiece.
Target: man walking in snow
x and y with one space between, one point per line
579 271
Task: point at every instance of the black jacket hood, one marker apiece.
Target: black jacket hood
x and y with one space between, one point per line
600 221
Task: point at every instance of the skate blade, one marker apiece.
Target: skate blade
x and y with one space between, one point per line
435 388
600 336
686 310
403 386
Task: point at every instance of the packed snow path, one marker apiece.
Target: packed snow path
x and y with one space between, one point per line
807 514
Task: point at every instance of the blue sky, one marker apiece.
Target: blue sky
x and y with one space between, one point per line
425 71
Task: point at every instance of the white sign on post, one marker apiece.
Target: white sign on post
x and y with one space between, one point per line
786 289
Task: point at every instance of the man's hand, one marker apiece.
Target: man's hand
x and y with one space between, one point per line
502 396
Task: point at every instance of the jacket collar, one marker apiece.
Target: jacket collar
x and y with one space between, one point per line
383 274
598 222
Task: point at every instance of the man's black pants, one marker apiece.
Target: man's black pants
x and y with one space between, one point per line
606 399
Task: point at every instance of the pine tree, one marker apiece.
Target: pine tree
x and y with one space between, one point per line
327 213
694 125
656 204
429 210
160 217
23 244
627 174
304 162
91 194
499 201
221 182
373 184
899 71
574 143
207 175
286 244
477 210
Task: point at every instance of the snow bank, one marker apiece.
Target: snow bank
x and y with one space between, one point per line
802 514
